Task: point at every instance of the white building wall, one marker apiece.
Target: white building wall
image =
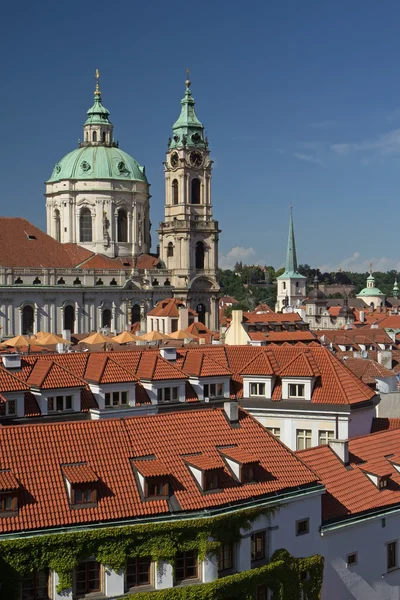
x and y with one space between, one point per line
368 579
361 421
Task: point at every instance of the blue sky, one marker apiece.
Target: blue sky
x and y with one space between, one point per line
301 102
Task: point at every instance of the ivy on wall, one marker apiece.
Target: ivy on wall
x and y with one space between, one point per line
111 546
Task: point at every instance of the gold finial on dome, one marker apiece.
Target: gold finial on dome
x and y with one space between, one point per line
370 268
187 82
97 90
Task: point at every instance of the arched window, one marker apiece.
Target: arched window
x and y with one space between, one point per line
57 223
28 318
104 137
201 311
94 136
106 318
69 318
86 137
175 192
122 226
195 191
170 249
135 314
85 225
199 255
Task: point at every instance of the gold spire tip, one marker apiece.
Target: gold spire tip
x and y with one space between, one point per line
97 90
187 82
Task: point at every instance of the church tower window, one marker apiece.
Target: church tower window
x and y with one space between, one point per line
104 137
122 225
170 250
28 318
57 223
196 191
106 318
175 192
199 255
94 136
85 225
69 318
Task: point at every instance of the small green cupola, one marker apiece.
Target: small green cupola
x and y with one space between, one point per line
188 131
98 129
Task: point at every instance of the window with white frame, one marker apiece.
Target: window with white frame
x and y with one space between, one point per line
324 435
168 394
296 390
276 431
257 388
11 408
213 390
59 403
303 439
116 399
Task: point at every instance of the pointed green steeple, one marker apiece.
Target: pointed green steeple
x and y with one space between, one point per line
188 131
291 257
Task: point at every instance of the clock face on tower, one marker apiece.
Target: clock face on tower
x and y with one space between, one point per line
196 158
174 159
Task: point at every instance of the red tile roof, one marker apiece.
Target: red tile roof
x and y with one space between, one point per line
282 336
79 473
239 455
262 364
202 365
204 462
350 491
169 308
49 375
8 481
102 369
36 453
10 382
302 365
368 370
201 331
384 423
154 367
151 468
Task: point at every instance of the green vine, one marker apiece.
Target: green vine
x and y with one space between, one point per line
111 546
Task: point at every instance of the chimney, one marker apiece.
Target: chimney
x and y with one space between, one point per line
341 449
362 316
232 411
236 324
385 358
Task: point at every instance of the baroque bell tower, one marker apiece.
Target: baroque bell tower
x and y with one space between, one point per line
189 234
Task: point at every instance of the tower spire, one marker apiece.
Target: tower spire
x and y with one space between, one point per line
188 131
97 89
291 258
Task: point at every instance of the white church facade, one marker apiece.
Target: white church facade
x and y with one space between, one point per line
94 267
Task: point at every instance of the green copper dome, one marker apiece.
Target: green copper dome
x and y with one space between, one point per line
370 291
98 162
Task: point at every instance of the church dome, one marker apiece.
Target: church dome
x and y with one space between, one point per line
316 294
98 162
345 311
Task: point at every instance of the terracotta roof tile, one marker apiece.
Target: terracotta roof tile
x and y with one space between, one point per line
262 364
10 382
349 489
79 473
368 370
302 365
384 424
36 454
151 467
50 375
204 462
8 481
101 368
202 365
154 367
239 455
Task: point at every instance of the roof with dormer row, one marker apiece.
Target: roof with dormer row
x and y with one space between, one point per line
349 490
334 382
37 456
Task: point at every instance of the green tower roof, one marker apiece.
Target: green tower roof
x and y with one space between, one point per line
291 258
97 114
188 130
98 162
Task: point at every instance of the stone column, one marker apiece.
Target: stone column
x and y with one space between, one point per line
77 327
114 324
164 575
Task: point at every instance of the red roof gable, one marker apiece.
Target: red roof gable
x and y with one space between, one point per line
154 367
102 369
79 473
49 375
302 365
202 365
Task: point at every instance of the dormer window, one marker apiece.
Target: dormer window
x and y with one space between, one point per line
156 487
82 485
242 464
206 470
383 482
211 481
9 487
153 477
296 390
213 390
378 473
257 389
